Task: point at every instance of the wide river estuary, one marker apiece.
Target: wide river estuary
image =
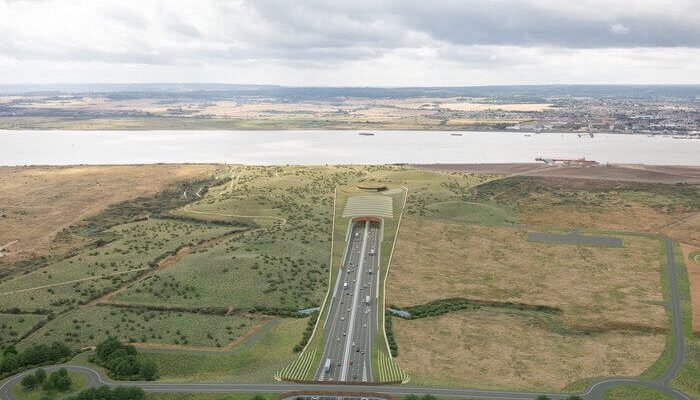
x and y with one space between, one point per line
333 147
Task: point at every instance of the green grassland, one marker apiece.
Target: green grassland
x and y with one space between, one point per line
89 325
14 326
628 392
256 359
92 271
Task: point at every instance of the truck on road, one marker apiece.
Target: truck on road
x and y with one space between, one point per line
327 367
345 285
367 300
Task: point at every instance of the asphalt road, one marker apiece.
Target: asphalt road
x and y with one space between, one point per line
351 322
594 392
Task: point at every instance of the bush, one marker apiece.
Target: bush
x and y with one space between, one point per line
389 331
105 393
36 354
58 380
122 361
29 382
40 375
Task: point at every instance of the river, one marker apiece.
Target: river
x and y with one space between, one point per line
24 147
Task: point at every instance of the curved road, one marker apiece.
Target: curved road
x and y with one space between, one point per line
594 392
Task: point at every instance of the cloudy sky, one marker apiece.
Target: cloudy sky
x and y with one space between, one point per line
350 43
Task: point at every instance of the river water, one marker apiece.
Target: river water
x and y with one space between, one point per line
24 147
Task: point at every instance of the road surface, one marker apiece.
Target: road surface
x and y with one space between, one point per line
351 322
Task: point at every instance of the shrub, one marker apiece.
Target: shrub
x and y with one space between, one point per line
105 393
122 361
29 382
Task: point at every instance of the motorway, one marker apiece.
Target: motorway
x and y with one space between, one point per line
351 322
594 392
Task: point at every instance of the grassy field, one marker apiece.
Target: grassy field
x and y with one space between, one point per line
89 325
256 359
628 392
488 348
39 202
591 286
585 203
78 383
92 271
14 326
597 309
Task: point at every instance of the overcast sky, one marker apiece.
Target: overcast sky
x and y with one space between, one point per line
350 43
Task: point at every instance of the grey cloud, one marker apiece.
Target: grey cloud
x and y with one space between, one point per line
479 22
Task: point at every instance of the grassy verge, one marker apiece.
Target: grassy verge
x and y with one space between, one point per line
688 378
628 392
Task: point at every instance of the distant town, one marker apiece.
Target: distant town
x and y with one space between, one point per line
585 110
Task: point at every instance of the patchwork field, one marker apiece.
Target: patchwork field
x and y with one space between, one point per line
37 203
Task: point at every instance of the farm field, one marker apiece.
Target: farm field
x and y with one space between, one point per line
39 202
90 325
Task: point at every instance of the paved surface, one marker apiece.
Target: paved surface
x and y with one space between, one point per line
351 322
594 392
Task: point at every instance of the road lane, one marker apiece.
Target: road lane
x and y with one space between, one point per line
350 324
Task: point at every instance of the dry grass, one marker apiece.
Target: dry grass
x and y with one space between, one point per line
634 216
482 350
38 202
595 287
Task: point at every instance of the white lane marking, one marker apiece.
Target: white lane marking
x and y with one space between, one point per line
351 323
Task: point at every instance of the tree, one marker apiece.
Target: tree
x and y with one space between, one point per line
40 375
147 370
11 349
58 380
542 397
29 382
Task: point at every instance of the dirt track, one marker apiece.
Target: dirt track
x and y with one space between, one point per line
621 172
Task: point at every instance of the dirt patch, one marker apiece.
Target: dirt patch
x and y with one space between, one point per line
694 279
591 285
618 172
480 349
38 202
